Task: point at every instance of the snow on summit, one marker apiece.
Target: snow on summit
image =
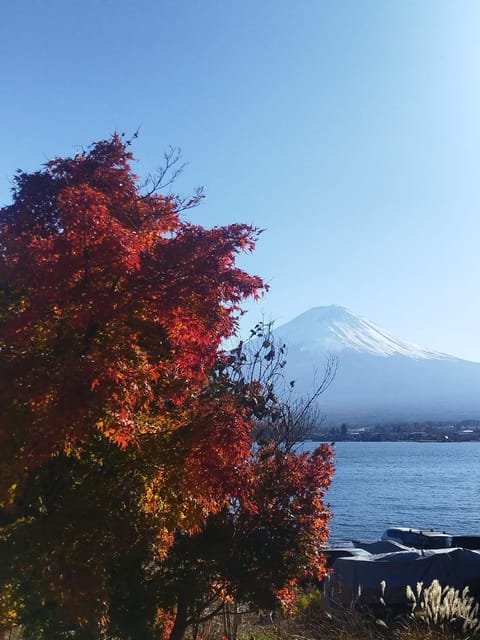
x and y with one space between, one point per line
336 329
380 378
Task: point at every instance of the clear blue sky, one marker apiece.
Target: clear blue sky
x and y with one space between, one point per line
349 130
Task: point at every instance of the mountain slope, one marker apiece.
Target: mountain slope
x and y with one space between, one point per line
380 378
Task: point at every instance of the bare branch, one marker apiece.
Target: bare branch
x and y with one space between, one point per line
165 175
283 417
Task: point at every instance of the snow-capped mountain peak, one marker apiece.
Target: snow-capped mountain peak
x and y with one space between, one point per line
380 378
335 329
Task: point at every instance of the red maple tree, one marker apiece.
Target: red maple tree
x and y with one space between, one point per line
113 309
117 436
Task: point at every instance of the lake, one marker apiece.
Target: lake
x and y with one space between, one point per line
415 484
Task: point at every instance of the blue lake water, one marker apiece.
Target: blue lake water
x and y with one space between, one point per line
415 484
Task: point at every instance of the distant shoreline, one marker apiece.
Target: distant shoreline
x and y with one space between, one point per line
428 431
375 438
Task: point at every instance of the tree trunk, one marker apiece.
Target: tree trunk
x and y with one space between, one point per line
181 621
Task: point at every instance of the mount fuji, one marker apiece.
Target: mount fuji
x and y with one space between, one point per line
380 378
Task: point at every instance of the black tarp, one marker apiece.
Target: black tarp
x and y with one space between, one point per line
353 576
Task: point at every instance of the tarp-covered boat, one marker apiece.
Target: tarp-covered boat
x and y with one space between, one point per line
363 575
